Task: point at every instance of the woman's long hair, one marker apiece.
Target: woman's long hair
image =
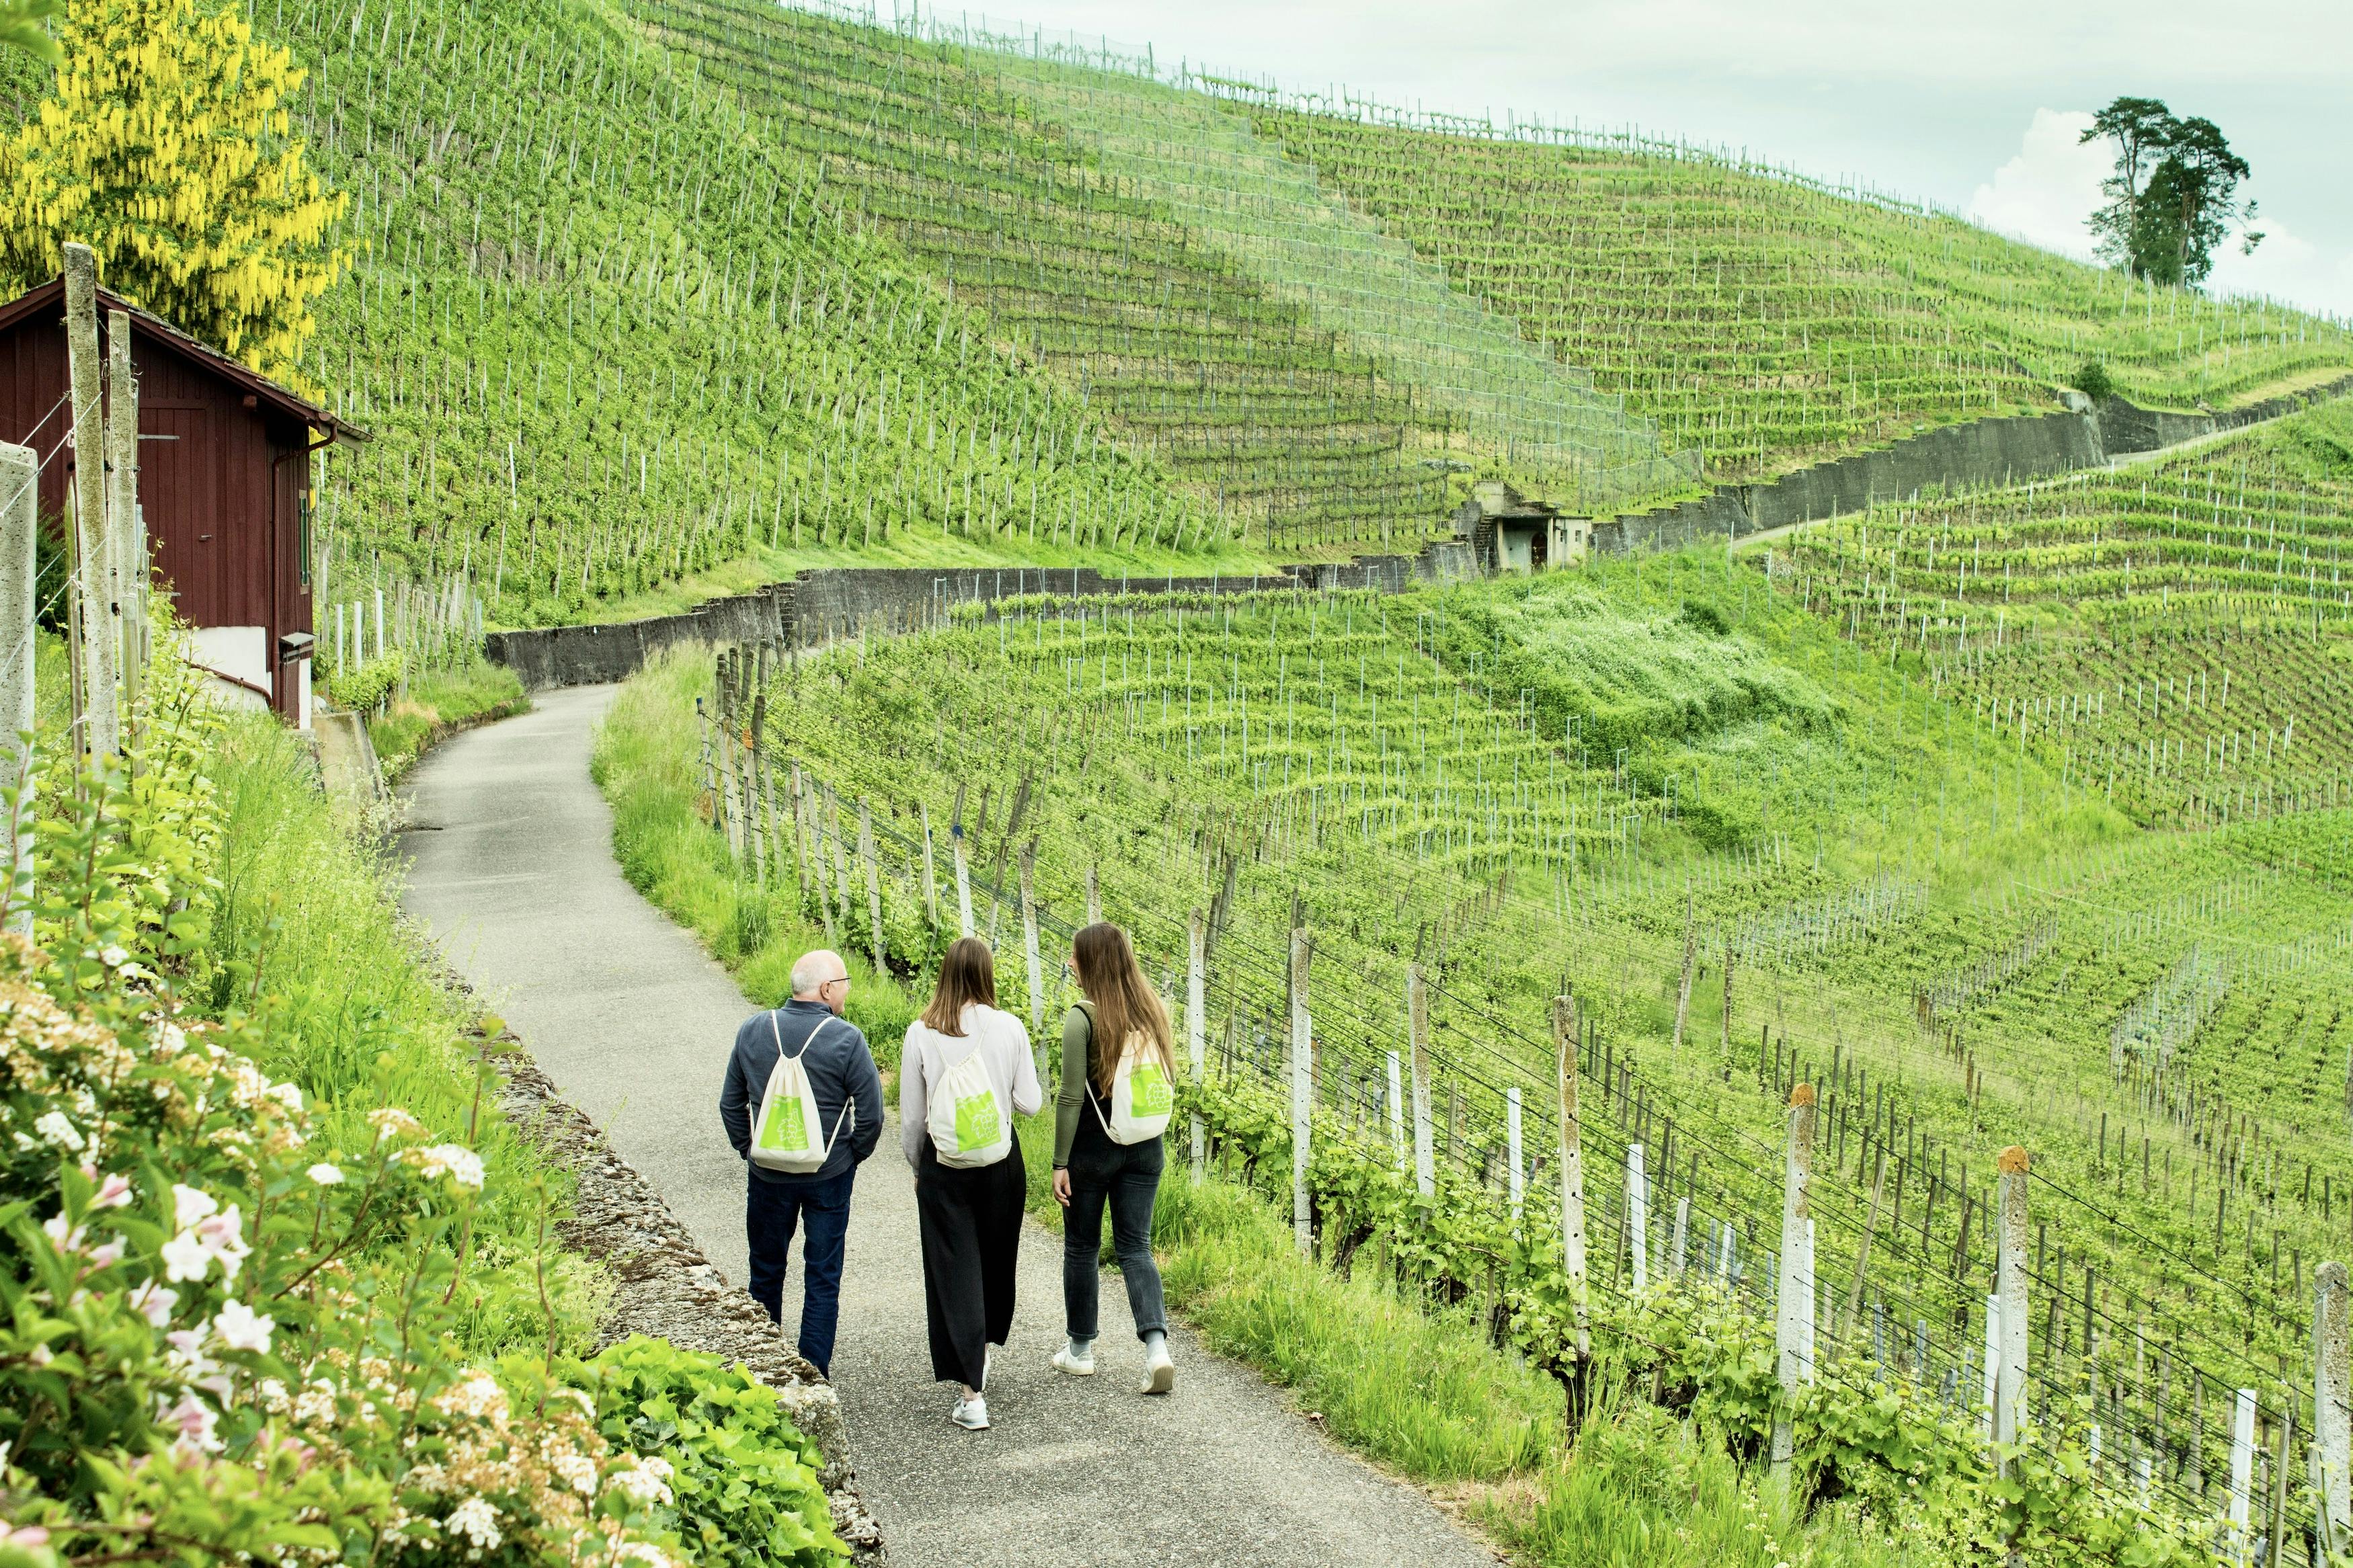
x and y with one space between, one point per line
1126 1007
968 975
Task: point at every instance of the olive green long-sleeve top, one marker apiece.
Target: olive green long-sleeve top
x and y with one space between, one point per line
1070 1104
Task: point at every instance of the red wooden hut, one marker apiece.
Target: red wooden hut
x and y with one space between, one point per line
224 483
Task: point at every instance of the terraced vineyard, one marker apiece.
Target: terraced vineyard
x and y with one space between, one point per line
1767 320
1959 952
2175 639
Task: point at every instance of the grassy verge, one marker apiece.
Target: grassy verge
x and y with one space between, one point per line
437 704
1419 1392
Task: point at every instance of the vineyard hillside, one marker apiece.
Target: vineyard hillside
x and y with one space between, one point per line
1767 320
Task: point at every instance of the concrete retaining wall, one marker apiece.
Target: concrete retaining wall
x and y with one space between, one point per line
1982 454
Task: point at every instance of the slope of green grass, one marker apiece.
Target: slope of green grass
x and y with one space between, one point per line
1768 321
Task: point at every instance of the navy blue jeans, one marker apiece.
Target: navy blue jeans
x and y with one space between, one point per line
773 1211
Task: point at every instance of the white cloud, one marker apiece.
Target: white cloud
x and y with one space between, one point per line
2045 193
2287 267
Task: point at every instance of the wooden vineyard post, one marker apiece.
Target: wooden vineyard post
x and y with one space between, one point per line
2009 1384
874 882
1863 1252
1682 993
963 868
1302 1093
2332 1405
1726 1044
1396 1111
1029 953
840 855
824 875
1512 1147
1794 1313
2242 1471
1572 1176
1416 1025
1196 1023
20 469
1638 1216
117 592
85 532
930 870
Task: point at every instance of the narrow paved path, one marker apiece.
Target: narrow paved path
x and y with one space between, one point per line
512 871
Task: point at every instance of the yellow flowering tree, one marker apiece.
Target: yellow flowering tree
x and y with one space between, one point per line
164 147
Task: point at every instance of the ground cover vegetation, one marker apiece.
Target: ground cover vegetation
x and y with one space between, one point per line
1764 320
279 1280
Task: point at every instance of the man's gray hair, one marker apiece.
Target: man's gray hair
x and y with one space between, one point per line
811 970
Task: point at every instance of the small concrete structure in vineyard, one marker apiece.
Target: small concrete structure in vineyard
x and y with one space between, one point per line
225 461
1508 532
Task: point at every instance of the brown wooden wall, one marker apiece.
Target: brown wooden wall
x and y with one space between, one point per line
221 483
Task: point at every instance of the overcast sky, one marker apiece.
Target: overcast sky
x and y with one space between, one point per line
1974 107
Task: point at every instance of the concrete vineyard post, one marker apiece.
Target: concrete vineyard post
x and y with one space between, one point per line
874 882
118 592
1196 1023
963 874
2242 1472
2010 1386
1682 992
1518 1187
93 691
1302 1093
20 469
930 870
1679 1246
1416 1025
1396 1111
2332 1405
1029 953
1572 1170
1638 1216
1794 1313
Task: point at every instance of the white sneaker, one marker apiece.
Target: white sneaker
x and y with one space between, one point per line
972 1414
1077 1366
1159 1371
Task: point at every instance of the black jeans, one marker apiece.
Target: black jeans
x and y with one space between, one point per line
772 1211
971 1227
1127 1177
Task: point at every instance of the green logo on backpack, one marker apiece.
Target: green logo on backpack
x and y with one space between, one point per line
977 1124
1149 1092
786 1128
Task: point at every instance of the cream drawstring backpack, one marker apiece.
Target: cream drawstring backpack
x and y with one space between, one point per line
967 1121
1141 1095
790 1136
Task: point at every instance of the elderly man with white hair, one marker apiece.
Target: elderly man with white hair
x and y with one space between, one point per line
846 1095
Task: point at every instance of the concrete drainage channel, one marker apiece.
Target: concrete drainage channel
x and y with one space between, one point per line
832 602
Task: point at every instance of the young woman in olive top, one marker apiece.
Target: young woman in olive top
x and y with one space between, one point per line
1091 1170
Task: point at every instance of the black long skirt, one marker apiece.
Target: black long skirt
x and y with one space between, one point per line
971 1222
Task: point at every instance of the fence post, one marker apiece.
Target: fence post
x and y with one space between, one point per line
1679 1249
1397 1110
1572 1171
963 869
1303 1092
1794 1314
117 591
2243 1470
1029 953
1416 1024
930 868
2009 1387
20 469
2332 1405
1512 1147
874 882
1196 1022
88 626
1638 1216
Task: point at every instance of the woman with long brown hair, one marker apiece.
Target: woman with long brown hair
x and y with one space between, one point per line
1117 1076
964 1074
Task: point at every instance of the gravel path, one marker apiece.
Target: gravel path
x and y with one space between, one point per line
511 868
